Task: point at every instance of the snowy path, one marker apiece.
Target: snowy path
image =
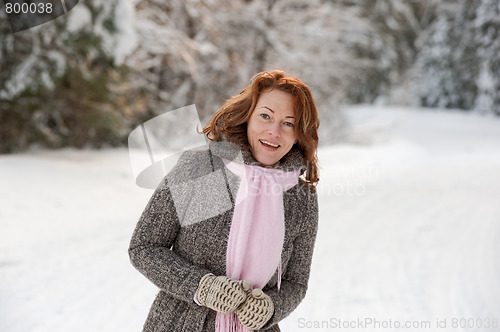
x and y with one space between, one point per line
421 240
409 231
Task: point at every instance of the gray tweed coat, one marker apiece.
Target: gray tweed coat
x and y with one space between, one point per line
182 235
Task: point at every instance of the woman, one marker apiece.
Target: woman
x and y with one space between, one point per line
228 235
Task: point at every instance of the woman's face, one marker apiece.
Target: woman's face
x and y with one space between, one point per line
270 129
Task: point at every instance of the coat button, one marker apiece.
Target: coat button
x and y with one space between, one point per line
257 293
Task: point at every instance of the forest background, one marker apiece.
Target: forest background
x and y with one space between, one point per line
87 78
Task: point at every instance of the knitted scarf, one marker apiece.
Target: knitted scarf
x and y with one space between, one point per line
257 230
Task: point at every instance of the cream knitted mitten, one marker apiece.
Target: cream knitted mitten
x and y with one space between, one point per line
221 293
256 311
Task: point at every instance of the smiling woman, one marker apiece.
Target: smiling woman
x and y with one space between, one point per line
270 129
268 93
228 236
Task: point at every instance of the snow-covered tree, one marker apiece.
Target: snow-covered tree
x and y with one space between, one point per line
487 26
195 52
89 77
446 63
60 82
203 52
459 61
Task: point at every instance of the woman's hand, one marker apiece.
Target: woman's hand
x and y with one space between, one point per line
221 293
256 311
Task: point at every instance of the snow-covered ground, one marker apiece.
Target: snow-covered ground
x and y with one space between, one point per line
409 232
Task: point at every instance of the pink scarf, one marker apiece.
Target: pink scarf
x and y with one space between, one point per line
257 230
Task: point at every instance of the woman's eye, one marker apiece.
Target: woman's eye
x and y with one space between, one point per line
265 116
289 124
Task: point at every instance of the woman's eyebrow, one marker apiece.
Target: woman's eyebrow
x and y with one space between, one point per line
289 116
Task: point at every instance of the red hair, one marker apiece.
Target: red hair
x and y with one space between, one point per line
231 119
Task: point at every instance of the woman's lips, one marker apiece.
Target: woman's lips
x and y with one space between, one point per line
269 146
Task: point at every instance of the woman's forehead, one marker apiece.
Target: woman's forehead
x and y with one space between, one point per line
277 101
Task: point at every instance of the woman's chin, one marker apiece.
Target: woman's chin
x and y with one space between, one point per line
266 160
265 157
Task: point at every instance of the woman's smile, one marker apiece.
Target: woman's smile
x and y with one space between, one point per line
269 146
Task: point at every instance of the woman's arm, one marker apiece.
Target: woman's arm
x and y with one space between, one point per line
294 282
150 248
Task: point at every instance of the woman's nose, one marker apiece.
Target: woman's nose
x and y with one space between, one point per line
274 130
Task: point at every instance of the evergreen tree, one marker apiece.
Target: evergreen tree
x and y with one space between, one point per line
60 82
459 62
487 28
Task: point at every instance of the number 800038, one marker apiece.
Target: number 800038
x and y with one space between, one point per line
24 8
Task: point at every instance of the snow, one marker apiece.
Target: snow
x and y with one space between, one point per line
79 18
409 231
20 78
126 40
120 43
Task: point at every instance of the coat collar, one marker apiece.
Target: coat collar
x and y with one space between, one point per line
240 153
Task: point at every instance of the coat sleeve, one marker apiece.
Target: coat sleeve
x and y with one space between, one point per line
295 280
150 247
